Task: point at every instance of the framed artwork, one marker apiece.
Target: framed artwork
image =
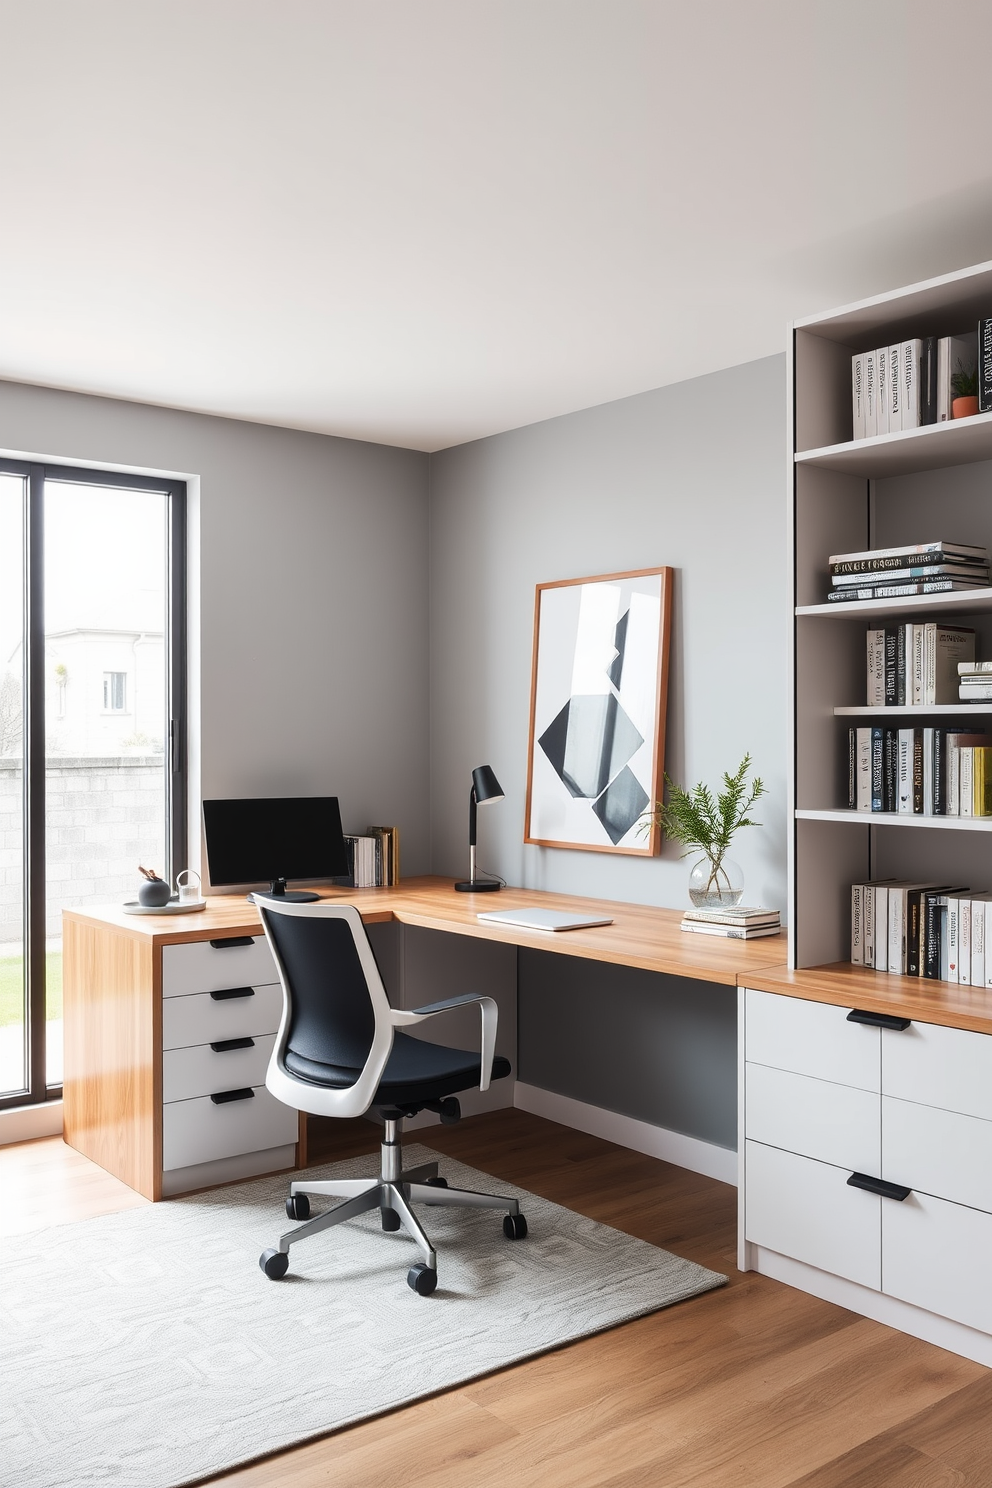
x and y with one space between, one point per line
599 691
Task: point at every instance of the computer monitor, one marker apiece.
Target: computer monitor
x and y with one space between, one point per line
255 841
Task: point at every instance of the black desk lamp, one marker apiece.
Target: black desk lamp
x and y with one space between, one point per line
485 789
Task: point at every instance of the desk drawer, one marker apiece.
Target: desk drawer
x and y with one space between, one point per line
811 1038
937 1066
197 1131
936 1255
203 967
188 1021
806 1210
938 1152
187 1073
833 1123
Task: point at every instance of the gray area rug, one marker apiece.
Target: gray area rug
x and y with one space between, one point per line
146 1349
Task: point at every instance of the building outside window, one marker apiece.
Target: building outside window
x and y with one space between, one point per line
115 692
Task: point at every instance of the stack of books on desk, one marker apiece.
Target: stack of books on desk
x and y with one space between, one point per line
373 859
742 922
915 568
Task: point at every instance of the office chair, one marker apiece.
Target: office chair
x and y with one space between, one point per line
337 1053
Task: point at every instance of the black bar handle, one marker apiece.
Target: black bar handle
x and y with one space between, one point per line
232 941
229 992
223 1045
223 1096
878 1020
879 1186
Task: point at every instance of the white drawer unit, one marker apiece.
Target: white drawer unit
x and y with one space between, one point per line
226 1064
212 965
203 1130
888 1184
811 1038
806 1209
235 1012
832 1123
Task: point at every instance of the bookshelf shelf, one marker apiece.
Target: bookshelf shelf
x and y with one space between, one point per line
894 819
928 710
932 447
964 602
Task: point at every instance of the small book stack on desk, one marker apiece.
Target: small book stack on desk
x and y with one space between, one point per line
741 922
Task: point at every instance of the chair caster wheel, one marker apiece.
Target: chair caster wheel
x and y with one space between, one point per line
515 1227
422 1279
390 1221
298 1206
275 1264
436 1183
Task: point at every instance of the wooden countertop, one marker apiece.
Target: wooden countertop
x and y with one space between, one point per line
641 935
878 992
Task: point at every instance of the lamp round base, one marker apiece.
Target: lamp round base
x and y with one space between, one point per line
478 886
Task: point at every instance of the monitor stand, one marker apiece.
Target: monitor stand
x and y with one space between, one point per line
277 890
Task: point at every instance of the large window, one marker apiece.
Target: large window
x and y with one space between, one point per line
92 726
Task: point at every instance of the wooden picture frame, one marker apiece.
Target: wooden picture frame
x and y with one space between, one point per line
598 702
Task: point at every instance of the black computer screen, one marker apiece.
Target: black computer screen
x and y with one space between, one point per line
258 841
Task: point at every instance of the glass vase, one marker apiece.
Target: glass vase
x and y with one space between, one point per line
715 885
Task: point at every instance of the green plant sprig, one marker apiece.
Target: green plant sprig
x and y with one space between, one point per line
964 384
698 820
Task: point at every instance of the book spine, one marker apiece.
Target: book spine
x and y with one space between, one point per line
978 943
985 364
953 803
897 906
987 907
929 664
890 642
909 382
928 380
940 772
890 770
928 793
882 394
917 772
964 941
982 772
876 668
857 394
966 780
943 379
953 907
864 769
868 923
913 907
919 634
878 769
871 394
857 943
934 903
852 768
904 802
969 668
880 894
981 692
901 665
895 389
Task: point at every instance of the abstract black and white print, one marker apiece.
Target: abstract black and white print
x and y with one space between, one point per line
594 738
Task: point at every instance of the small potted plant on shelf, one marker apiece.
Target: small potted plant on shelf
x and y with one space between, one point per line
964 386
697 819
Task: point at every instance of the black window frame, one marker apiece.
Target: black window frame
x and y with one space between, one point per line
34 474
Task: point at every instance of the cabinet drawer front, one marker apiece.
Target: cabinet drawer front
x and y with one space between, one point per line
195 1131
937 1152
187 1021
201 967
805 1209
832 1123
810 1038
936 1066
187 1073
936 1255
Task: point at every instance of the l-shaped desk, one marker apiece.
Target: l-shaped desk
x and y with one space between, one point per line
143 1014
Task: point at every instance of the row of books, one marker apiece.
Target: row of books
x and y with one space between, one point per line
938 931
373 858
919 771
917 663
914 568
736 922
975 681
916 382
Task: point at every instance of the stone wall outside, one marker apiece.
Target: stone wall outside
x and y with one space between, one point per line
105 815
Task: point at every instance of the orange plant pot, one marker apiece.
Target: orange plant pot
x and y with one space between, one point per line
964 407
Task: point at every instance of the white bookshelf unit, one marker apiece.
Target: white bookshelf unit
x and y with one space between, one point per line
846 495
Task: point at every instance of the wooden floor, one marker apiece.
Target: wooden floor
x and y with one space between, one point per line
753 1386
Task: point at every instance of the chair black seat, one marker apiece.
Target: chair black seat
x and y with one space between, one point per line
415 1071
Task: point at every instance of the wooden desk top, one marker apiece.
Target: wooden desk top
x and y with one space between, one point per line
640 935
850 986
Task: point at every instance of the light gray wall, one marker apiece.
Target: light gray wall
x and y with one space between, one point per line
692 476
311 598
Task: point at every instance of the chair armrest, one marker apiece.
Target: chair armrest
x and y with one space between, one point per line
490 1016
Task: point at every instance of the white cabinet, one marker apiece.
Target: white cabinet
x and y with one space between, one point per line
909 1110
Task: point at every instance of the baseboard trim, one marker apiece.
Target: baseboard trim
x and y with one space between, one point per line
957 1338
627 1131
26 1123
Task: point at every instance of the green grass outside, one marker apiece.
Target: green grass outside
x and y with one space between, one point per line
12 987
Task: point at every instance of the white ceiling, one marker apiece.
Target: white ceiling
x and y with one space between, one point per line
422 221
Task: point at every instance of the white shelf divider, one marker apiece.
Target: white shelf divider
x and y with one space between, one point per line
930 447
898 819
928 710
959 602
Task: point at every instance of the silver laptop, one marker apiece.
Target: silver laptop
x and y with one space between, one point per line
544 919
